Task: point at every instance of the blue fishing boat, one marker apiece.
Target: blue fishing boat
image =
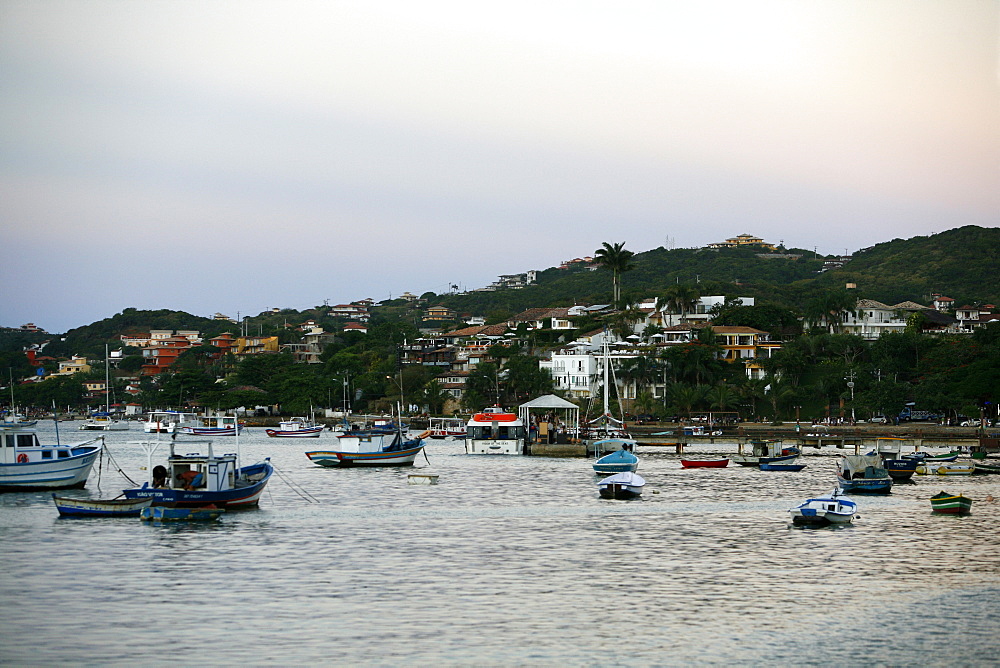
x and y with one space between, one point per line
200 478
27 465
863 474
617 462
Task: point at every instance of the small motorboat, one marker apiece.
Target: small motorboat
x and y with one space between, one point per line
704 463
168 514
951 504
834 508
69 507
627 485
617 462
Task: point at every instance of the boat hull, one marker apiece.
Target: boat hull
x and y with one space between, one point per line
622 461
704 463
752 460
305 432
622 492
778 466
69 507
209 431
951 504
60 473
336 459
901 469
946 469
865 485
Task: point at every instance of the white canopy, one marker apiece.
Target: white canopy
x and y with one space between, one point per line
550 402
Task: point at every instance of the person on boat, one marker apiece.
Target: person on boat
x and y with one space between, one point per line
190 479
159 476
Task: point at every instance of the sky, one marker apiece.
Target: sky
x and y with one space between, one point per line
234 156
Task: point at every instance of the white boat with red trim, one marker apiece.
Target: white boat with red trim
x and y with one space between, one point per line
296 427
27 465
494 431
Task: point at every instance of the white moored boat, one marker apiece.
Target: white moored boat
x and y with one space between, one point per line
26 464
495 432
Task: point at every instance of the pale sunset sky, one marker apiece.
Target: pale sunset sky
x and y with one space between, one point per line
239 155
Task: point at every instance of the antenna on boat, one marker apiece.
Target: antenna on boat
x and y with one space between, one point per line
55 418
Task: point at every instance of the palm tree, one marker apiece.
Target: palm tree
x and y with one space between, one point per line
618 260
680 299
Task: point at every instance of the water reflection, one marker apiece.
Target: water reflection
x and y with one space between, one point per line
508 560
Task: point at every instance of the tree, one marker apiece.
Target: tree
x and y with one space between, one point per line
617 260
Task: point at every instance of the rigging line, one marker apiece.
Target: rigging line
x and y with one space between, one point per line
295 487
118 468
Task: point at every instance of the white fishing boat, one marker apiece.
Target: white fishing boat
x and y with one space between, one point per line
105 420
167 422
27 465
296 427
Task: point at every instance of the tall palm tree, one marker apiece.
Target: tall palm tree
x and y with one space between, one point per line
679 298
615 258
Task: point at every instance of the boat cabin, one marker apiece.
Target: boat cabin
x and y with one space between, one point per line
22 447
212 473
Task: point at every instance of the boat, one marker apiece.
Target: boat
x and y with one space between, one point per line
11 419
196 479
422 479
617 462
386 426
834 508
951 504
212 425
104 420
764 450
863 474
494 431
699 430
168 514
946 468
985 469
166 422
899 467
704 463
27 465
627 485
296 427
790 465
369 449
447 428
946 457
70 507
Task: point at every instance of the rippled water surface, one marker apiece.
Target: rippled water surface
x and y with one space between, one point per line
508 560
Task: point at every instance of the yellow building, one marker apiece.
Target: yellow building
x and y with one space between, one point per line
255 345
743 240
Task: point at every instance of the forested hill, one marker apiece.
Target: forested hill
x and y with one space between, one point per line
960 263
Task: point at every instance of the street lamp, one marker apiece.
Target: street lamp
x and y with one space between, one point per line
398 384
850 384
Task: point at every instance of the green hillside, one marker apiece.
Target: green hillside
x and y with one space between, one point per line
960 263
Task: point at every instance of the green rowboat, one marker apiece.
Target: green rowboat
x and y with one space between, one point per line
951 504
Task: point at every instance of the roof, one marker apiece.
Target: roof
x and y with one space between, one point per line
871 303
488 330
911 306
548 401
732 329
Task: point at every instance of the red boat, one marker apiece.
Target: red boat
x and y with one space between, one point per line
704 463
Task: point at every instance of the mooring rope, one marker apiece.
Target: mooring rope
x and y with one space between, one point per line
117 468
295 487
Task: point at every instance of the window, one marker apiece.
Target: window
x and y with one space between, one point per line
63 454
46 454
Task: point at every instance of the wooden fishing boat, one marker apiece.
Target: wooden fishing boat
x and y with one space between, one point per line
167 514
197 479
617 462
834 508
704 463
625 485
296 427
769 450
213 425
69 507
366 449
951 504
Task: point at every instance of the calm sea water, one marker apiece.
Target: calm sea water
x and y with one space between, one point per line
508 560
